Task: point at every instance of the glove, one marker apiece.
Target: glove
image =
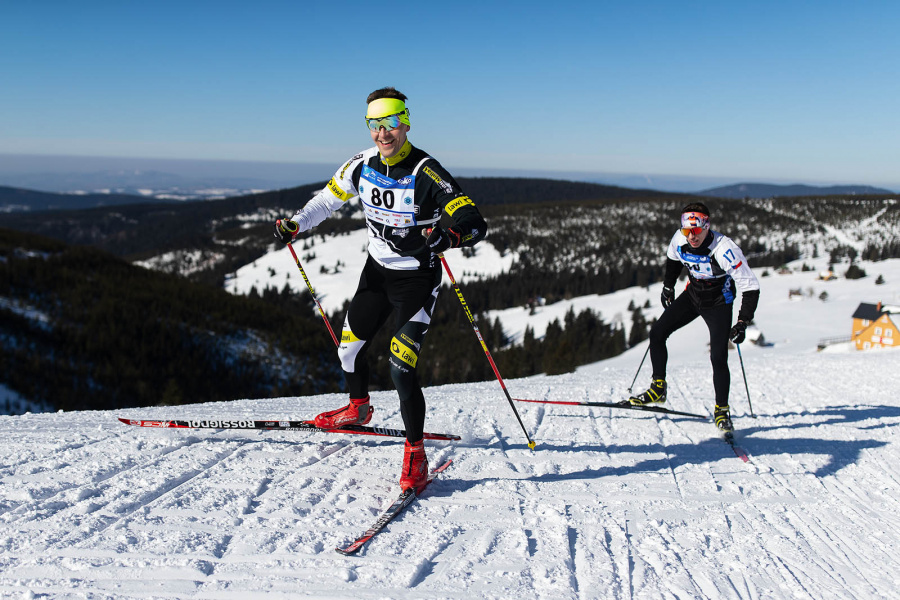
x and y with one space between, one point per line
667 297
737 334
285 230
439 240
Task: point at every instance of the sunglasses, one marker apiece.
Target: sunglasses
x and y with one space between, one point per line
389 122
689 230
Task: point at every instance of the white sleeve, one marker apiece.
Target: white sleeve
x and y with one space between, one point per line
732 260
674 245
339 190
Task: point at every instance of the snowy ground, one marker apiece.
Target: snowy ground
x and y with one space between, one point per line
612 504
335 283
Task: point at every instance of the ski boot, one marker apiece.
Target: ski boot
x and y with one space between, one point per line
415 467
357 412
655 395
723 419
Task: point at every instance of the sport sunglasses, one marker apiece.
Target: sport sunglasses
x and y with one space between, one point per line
389 122
689 230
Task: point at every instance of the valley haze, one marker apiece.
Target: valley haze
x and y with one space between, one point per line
194 178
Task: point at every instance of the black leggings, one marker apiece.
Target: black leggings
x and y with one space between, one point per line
681 312
413 295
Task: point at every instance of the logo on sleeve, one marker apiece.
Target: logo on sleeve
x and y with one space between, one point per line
437 179
458 203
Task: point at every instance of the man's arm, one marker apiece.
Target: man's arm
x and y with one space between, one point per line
469 227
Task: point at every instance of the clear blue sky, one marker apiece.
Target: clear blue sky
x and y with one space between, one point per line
763 91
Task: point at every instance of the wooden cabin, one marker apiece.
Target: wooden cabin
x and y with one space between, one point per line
875 327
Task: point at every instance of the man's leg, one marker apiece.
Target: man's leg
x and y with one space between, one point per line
414 298
718 320
368 311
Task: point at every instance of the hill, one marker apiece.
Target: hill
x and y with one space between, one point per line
551 251
766 190
226 234
82 329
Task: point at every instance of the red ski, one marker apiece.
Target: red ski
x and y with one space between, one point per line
281 426
738 451
402 501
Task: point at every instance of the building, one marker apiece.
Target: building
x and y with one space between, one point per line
875 326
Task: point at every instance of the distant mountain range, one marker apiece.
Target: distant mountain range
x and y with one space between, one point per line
19 200
487 190
767 190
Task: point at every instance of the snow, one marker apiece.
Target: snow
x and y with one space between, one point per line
333 265
796 323
184 262
611 504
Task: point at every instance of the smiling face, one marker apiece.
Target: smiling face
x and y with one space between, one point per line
390 142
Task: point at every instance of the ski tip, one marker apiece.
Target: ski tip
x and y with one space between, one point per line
126 421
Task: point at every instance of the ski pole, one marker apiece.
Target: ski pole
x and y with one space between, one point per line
646 352
313 293
487 353
746 387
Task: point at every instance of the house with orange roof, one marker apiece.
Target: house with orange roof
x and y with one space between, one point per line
874 326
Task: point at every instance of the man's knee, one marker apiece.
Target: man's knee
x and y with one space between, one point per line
349 349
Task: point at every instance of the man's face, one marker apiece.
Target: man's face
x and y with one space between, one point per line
695 239
390 141
695 227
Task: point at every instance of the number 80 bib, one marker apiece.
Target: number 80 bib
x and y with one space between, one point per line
388 201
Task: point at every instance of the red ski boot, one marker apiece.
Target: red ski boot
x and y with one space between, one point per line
415 467
358 412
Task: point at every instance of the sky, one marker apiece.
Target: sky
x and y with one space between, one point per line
765 91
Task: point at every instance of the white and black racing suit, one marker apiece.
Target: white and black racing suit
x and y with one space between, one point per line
400 196
716 270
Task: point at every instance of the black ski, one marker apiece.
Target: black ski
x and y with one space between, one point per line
282 426
403 500
622 404
738 451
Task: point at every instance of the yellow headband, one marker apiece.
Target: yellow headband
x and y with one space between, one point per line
385 107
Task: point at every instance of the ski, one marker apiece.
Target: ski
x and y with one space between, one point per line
622 404
281 426
738 451
403 500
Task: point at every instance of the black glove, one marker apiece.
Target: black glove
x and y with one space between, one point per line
285 230
737 332
440 240
667 297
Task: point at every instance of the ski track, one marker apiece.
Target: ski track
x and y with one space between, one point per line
612 504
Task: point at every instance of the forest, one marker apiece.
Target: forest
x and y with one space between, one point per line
83 328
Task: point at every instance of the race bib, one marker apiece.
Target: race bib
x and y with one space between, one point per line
700 266
388 201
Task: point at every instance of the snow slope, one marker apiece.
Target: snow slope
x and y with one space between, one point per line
612 504
335 283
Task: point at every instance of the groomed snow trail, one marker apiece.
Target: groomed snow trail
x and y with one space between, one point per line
612 504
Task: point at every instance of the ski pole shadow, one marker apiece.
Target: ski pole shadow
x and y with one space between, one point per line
838 454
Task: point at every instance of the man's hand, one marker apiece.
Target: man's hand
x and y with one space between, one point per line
286 230
667 297
438 240
738 334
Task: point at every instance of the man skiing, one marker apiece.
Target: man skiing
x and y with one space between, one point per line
715 266
403 192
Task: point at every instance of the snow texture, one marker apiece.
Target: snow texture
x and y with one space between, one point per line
611 504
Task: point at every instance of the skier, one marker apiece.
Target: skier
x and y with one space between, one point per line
403 192
715 266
